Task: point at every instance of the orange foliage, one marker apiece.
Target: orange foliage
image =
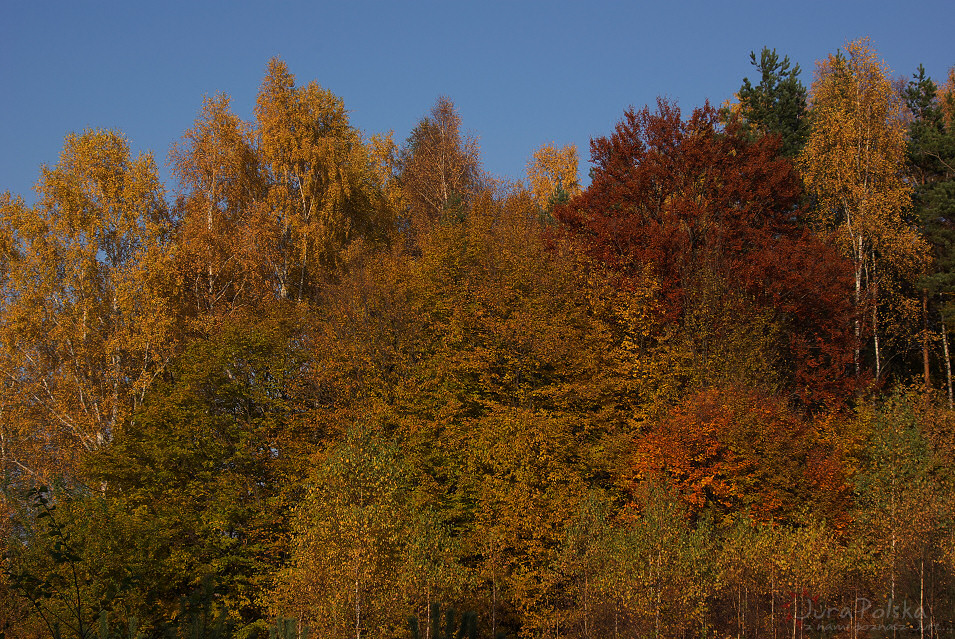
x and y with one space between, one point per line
946 97
733 450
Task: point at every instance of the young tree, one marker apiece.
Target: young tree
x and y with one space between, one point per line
853 163
525 475
904 500
662 566
348 550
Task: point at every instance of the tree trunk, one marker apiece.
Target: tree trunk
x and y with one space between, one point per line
795 614
874 283
210 280
922 597
858 300
772 600
925 363
494 605
357 607
948 363
586 605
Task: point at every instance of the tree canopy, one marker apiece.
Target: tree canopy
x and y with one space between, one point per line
337 385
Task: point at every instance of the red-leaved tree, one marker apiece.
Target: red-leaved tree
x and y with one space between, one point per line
691 200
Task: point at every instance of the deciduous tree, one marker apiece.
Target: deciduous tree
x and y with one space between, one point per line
709 217
853 163
220 177
731 450
552 175
86 316
323 188
440 167
202 480
348 553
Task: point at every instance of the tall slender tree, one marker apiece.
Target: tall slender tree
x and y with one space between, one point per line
931 163
222 187
323 188
853 163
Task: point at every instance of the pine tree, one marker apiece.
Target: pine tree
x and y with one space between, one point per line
777 105
931 164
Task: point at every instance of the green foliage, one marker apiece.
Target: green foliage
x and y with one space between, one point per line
53 578
202 475
777 105
283 628
662 565
931 159
80 580
348 556
903 495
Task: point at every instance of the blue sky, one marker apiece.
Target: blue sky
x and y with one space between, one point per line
522 73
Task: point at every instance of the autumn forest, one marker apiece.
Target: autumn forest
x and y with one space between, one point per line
333 384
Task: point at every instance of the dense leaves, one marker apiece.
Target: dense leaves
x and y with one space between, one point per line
552 175
853 164
204 469
777 104
730 451
342 383
86 319
711 217
931 158
440 167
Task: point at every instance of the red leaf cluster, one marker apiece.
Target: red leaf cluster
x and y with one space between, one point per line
690 198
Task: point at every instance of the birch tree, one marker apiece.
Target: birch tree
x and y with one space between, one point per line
85 315
552 174
853 163
440 168
222 185
324 189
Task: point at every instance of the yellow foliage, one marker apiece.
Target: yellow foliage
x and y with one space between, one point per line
383 153
856 149
440 167
853 163
86 306
323 181
552 169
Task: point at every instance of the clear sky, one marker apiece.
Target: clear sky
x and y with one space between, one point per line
521 72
